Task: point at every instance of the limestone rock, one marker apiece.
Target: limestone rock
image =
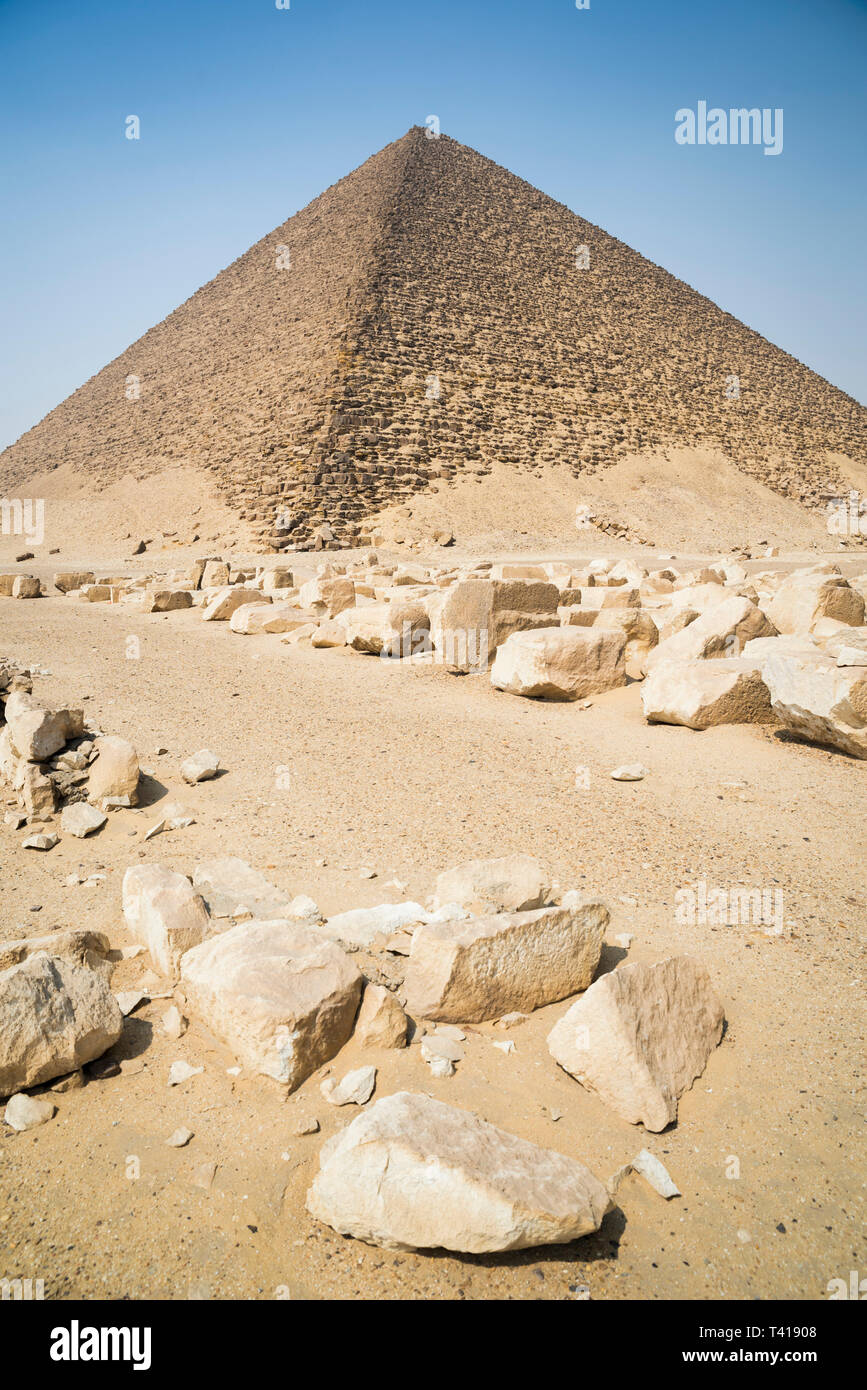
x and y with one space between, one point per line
819 700
79 818
200 767
515 883
279 996
26 1112
561 663
484 967
362 925
226 600
396 630
355 1088
164 913
54 1017
477 615
381 1021
805 597
231 888
412 1173
73 579
719 632
640 1036
36 733
83 947
115 772
700 694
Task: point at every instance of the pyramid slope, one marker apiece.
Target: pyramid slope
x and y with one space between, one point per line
434 320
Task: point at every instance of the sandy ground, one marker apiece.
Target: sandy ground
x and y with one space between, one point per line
408 771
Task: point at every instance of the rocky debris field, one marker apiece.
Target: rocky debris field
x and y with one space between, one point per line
416 1053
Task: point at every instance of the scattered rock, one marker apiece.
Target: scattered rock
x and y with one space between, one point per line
54 1017
413 1174
514 884
200 767
164 913
381 1021
356 1088
466 972
640 1036
26 1112
79 818
282 999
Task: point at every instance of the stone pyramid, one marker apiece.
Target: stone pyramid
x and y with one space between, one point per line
431 313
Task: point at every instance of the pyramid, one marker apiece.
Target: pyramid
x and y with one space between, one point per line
430 314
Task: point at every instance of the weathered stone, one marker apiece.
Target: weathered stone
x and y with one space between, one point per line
513 884
54 1017
327 597
251 618
560 663
282 999
719 632
27 1112
226 600
805 598
477 615
381 1021
362 925
355 1088
81 819
640 1036
200 767
231 888
164 913
818 700
35 733
115 772
412 1173
700 694
166 600
83 947
69 580
26 586
484 967
396 630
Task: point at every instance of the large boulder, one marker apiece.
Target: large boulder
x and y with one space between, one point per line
270 617
397 629
80 945
640 1036
480 968
806 597
114 774
327 596
565 663
513 884
164 913
412 1173
35 733
700 694
818 700
477 615
223 604
69 580
280 997
54 1017
721 631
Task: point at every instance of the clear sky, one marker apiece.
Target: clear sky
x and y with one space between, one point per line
248 111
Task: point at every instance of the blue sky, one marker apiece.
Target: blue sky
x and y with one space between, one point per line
248 111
